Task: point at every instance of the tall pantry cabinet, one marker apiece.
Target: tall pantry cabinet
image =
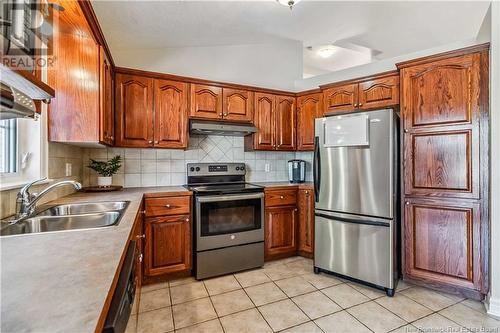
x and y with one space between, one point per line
444 108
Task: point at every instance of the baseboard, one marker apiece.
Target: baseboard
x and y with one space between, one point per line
493 306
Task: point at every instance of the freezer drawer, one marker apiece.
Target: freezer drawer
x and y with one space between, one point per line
357 247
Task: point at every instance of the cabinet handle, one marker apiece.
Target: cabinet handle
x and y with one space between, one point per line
187 220
157 142
143 212
141 257
225 114
150 142
141 236
355 104
167 205
407 203
360 104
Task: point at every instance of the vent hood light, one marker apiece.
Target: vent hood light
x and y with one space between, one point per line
15 104
217 128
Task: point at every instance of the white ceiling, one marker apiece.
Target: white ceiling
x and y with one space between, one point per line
393 28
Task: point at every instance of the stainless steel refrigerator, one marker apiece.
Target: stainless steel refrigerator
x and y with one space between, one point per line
356 197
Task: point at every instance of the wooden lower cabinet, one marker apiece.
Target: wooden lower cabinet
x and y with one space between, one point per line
280 231
306 222
168 244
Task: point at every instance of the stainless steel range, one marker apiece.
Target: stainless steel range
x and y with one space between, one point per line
229 219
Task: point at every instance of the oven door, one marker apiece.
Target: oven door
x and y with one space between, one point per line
227 220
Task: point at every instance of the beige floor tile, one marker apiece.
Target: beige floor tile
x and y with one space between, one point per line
154 300
344 295
181 281
301 266
131 325
476 305
249 321
279 272
321 280
265 293
295 286
341 322
471 319
188 292
309 327
282 314
212 326
404 307
231 302
371 293
430 298
406 329
316 304
155 286
436 323
252 278
156 321
375 317
221 284
194 312
291 259
402 285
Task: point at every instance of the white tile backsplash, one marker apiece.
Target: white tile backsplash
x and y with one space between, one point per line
163 167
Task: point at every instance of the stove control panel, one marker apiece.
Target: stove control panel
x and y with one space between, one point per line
216 169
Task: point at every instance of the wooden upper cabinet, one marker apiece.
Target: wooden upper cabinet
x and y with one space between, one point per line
441 93
206 102
264 121
74 113
341 98
237 105
442 242
107 123
171 108
285 123
309 107
168 244
378 93
134 110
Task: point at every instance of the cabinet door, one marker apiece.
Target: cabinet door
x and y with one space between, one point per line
206 102
442 242
441 93
237 105
379 93
285 123
280 232
168 244
309 108
107 123
264 121
341 98
134 111
171 103
306 221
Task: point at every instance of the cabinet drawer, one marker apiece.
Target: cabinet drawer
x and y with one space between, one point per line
281 197
167 206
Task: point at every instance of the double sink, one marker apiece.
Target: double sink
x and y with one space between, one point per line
68 217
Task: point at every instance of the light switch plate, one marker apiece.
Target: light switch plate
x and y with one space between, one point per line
68 169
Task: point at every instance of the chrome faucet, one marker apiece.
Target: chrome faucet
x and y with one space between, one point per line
26 202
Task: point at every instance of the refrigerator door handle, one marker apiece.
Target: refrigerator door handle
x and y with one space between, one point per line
373 222
316 169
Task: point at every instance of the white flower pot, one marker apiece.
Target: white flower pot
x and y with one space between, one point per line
104 181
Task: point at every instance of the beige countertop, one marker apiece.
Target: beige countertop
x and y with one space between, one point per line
59 281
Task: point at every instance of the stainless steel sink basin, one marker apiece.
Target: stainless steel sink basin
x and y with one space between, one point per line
68 217
84 208
59 223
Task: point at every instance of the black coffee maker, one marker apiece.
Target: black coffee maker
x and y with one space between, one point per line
297 171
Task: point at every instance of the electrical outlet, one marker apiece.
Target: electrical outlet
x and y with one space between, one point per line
68 169
267 167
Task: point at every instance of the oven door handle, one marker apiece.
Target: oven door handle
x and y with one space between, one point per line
229 197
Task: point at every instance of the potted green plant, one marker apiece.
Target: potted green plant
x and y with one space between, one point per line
106 170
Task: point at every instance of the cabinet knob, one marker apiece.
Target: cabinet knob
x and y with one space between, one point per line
360 104
406 131
167 205
355 104
150 142
225 114
307 192
295 209
407 203
141 236
187 220
282 197
220 114
157 142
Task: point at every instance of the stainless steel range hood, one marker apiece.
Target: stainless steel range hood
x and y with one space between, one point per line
202 127
15 104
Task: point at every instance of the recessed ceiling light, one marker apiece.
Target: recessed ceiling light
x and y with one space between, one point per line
288 3
326 51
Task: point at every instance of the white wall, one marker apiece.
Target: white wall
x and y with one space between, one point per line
275 65
375 67
494 297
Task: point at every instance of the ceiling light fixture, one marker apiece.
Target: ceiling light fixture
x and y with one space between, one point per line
326 52
288 3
